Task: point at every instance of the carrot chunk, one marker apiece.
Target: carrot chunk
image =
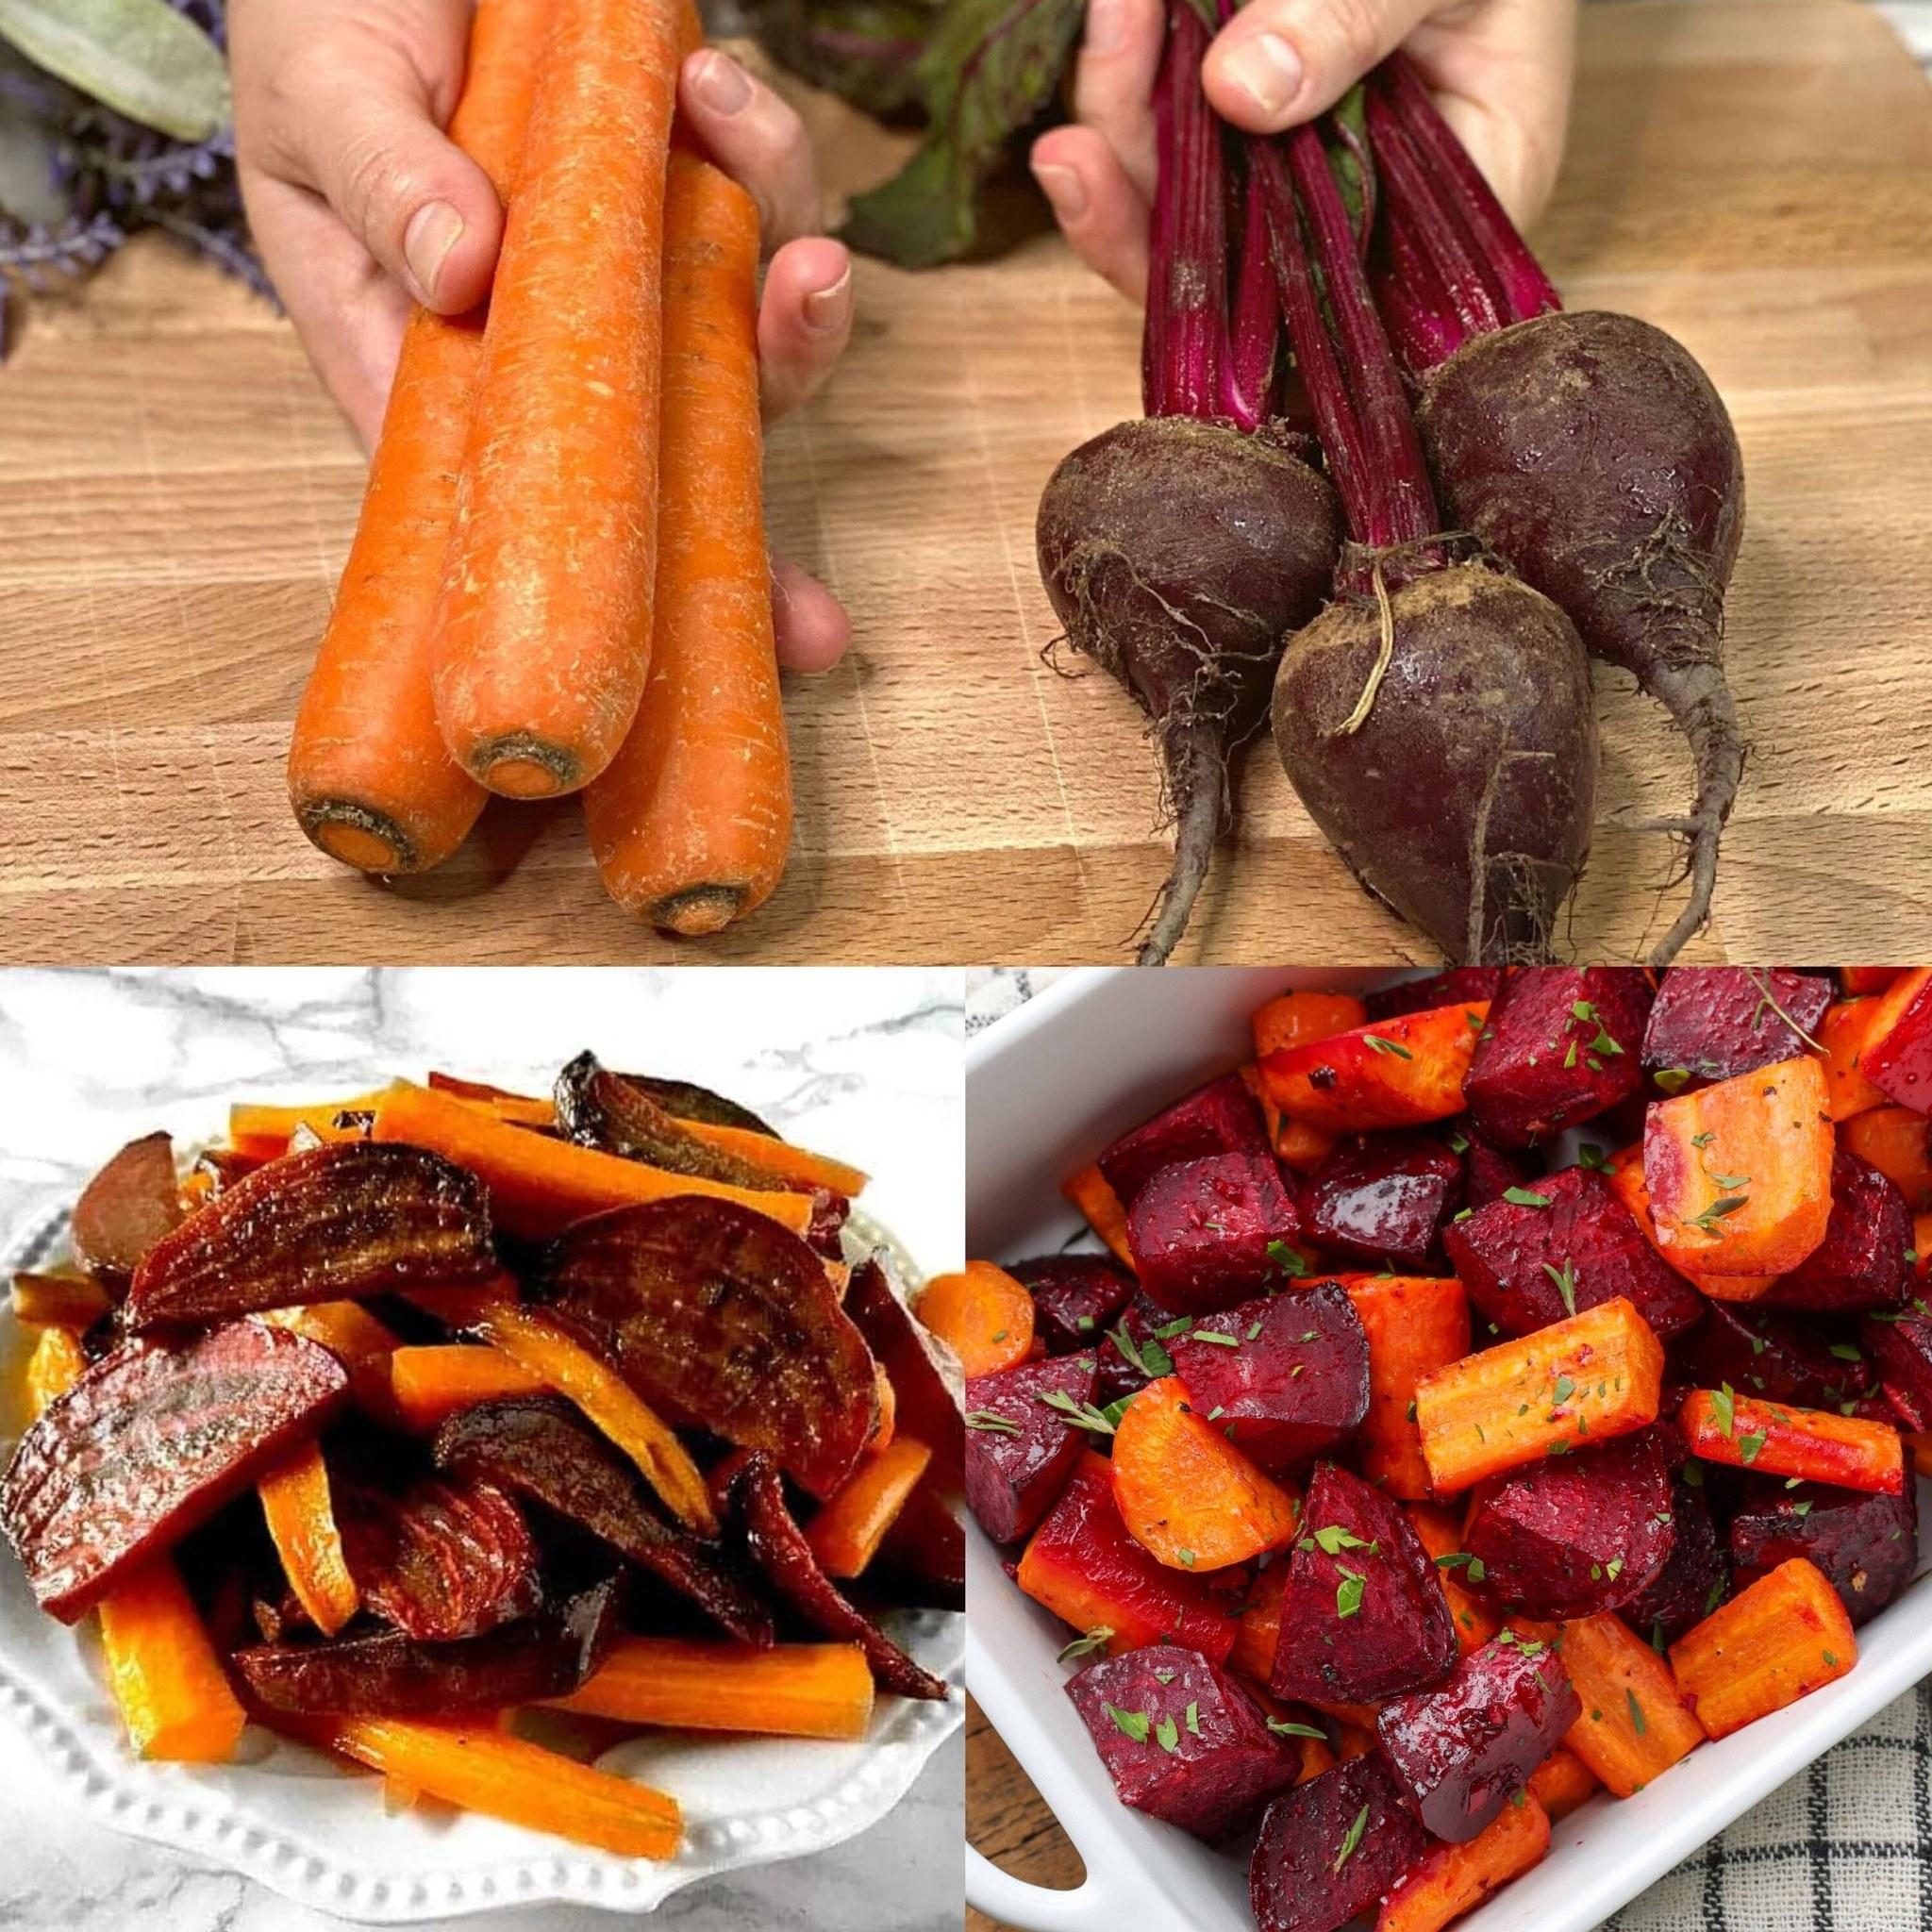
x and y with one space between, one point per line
1772 1643
1295 1144
1186 1493
1294 1018
1898 1143
982 1314
1635 1722
1453 1880
430 1383
1415 1325
301 1519
1625 1178
1440 1535
1562 1782
1843 1034
167 1682
1595 1375
362 1343
68 1301
55 1365
1740 1173
1258 1628
791 1690
1774 1439
846 1533
1859 979
1396 1073
1089 1192
780 1158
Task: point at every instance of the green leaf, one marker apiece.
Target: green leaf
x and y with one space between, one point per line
1522 1197
1388 1046
138 57
1194 1716
1724 1406
1331 1539
1348 1593
1672 1079
990 69
1286 1258
990 1422
1749 1445
1637 1718
1283 1728
1351 1839
1566 1285
1166 1734
1087 1643
1082 1414
1134 1722
1352 163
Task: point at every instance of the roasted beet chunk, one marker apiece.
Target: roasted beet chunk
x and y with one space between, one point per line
1384 1198
1182 1740
1330 1848
1201 1231
1020 1447
1690 1584
1867 1545
1773 1356
1560 1046
1490 1171
1363 1616
1077 1298
1144 1358
1461 1751
1454 987
1220 1118
1714 1022
446 1559
1290 1380
1861 1261
126 1209
150 1442
1901 1352
1527 1264
925 1387
1576 1534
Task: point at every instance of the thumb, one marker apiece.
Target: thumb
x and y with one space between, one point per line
1280 63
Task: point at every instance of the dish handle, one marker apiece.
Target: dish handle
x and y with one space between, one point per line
1088 1907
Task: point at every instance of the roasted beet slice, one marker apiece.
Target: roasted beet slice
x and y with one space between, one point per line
719 1317
1572 1535
1560 1046
1289 1379
446 1559
1899 1351
750 1484
1330 1848
1773 1356
1690 1584
1867 1545
1490 1171
1459 985
1201 1231
925 1389
1565 1244
1463 1750
1714 1022
540 1448
1077 1298
149 1443
1383 1198
1146 1327
339 1223
548 1654
129 1206
923 1559
1222 1117
1020 1447
1182 1740
1363 1616
1861 1264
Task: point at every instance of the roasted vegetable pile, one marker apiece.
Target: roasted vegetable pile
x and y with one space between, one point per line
1501 1385
401 1413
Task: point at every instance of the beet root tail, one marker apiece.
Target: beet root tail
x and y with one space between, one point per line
1197 787
1700 700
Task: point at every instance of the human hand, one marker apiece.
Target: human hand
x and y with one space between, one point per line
362 207
1500 71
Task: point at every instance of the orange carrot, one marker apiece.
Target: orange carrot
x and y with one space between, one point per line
780 1158
1625 1178
1089 1192
792 1690
1296 1144
69 1301
691 821
1844 1033
302 1523
1415 1325
1449 1880
1857 980
982 1314
1397 1073
167 1682
1562 1782
1293 1019
542 631
1635 1722
1440 1535
370 777
55 1365
1898 1143
360 1341
1774 1439
845 1533
1785 1637
429 1384
1258 1631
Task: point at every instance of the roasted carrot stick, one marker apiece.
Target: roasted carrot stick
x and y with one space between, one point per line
1562 1782
370 777
1776 1438
1450 1880
542 632
360 1341
793 1691
1415 1325
691 821
1783 1638
301 1519
1090 1192
68 1301
1635 1722
780 1158
846 1535
430 1384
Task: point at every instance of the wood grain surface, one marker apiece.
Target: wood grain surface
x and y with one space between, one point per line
176 495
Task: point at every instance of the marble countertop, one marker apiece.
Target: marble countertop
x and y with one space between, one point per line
864 1064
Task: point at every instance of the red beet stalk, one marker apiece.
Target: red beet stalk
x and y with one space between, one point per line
1248 366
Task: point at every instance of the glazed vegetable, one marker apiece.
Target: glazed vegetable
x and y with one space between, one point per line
1414 1325
982 1314
846 1535
133 1202
792 1690
430 1383
1401 1072
1785 1636
299 1510
1776 1440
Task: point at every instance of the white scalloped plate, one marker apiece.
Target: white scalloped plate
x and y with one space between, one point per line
294 1821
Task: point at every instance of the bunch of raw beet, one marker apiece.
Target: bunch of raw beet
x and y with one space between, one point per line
402 1413
1494 1389
1495 491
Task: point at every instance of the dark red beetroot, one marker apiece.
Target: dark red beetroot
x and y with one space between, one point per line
1900 1064
1077 1298
1573 1535
150 1442
1363 1616
1200 1231
1020 1451
126 1209
1492 1171
923 1559
1453 988
1714 1022
1560 1046
1867 1545
1899 1351
1182 1740
1861 1264
1690 1584
1383 1198
1123 1370
1290 1380
1461 1751
1330 1848
923 1388
445 1559
1526 1265
1222 1117
1773 1356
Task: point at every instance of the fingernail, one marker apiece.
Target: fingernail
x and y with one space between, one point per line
1268 70
433 231
1106 25
721 84
1063 188
827 311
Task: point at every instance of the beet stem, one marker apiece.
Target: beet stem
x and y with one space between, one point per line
1415 305
1197 784
1248 367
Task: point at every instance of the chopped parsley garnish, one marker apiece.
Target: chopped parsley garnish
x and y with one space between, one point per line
1348 1593
1283 1728
1672 1079
1724 1406
1381 1045
1637 1718
1286 1258
1087 1643
1134 1722
1351 1840
1524 1197
1565 1280
991 1423
1081 1414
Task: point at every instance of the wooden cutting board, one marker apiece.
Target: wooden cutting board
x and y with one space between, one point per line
177 496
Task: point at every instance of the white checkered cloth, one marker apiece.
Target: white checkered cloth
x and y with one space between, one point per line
1846 1846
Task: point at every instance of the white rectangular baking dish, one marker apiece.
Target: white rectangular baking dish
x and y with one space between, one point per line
1045 1091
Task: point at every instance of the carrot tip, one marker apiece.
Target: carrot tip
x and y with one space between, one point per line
698 911
521 766
368 840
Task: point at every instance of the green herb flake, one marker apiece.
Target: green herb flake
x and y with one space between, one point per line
1672 1079
1087 1643
1134 1722
1286 1259
1524 1197
1283 1728
1847 1351
1194 1716
1723 1405
1381 1045
1565 1280
990 1422
1166 1734
1749 1445
1216 1337
1637 1717
1348 1593
1351 1840
1081 1414
1331 1539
